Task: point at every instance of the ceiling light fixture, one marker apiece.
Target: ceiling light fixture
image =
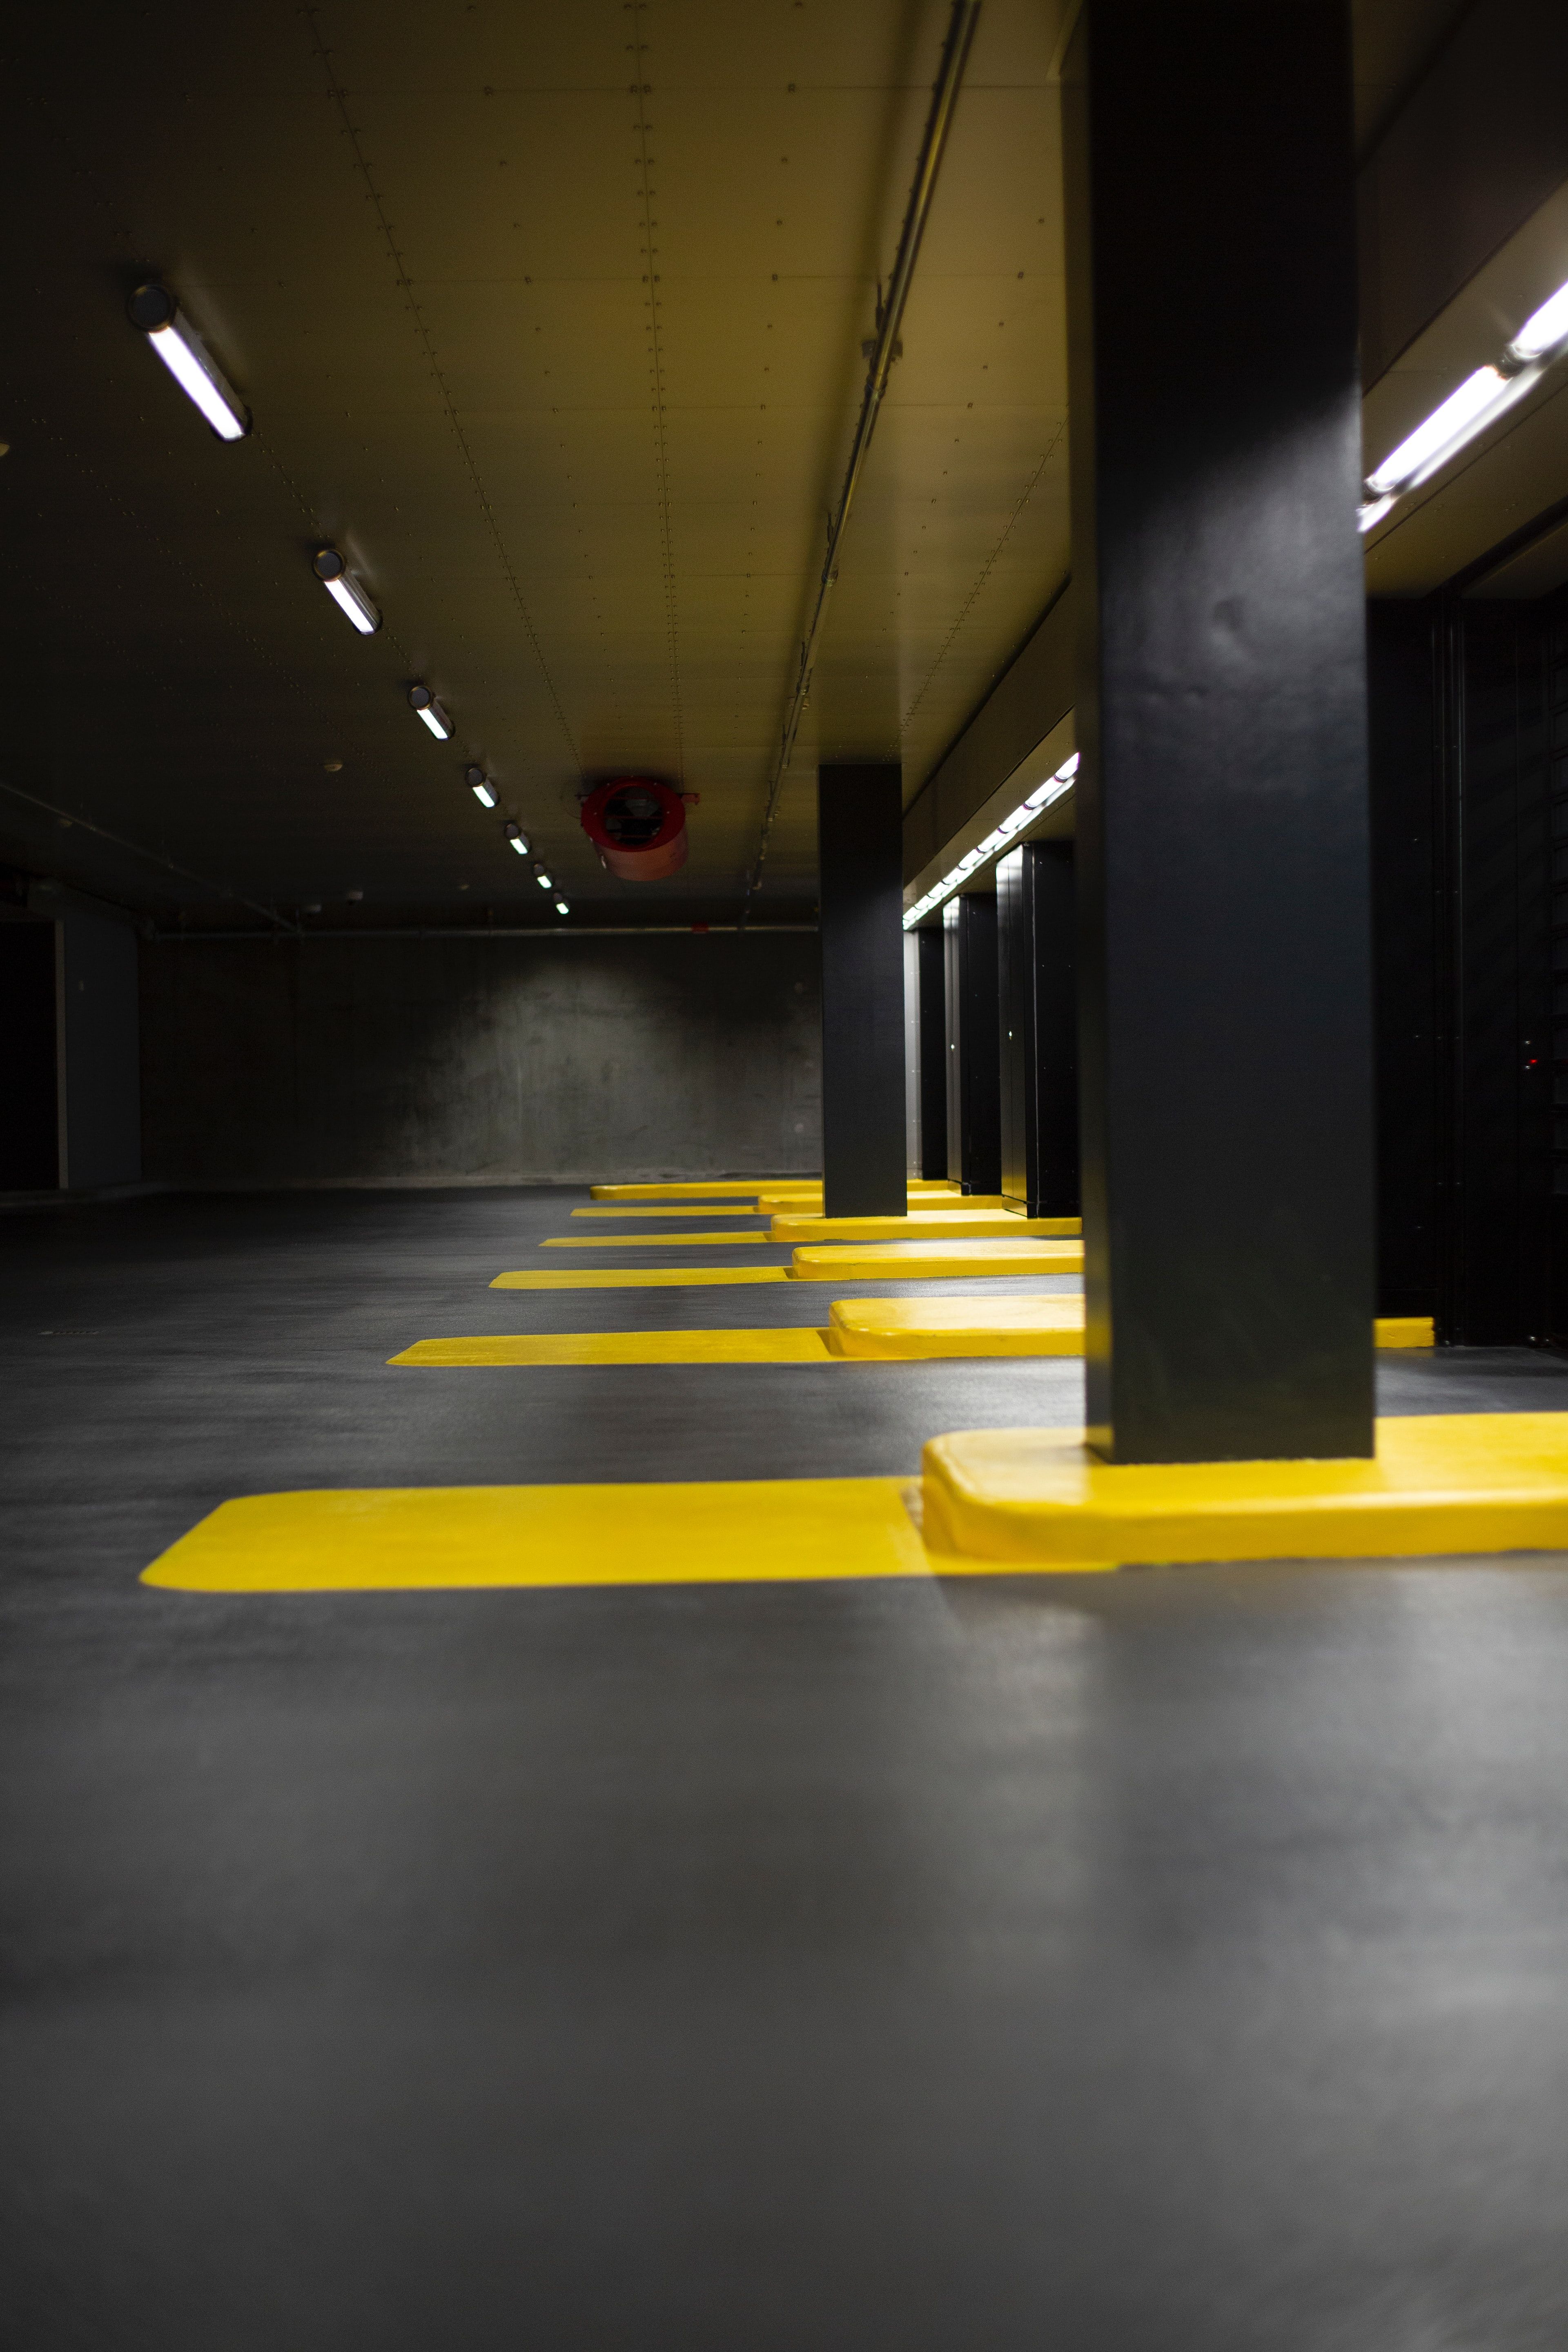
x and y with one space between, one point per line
518 839
479 784
345 590
561 907
1544 331
1476 403
543 881
422 701
1023 816
157 313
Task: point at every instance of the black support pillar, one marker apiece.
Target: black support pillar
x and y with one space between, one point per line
933 1055
1221 717
1037 939
860 853
975 1072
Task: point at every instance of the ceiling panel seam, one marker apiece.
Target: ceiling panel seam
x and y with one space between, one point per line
405 285
642 89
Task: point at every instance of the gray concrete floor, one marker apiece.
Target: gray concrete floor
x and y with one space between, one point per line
1128 1964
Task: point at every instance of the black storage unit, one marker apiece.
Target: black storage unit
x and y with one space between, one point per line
1468 705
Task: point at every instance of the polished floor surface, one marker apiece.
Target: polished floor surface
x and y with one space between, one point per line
1126 1964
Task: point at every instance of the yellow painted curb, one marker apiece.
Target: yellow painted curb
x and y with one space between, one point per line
937 1224
781 1345
666 1209
1049 1324
931 1261
894 1328
655 1241
721 1188
640 1277
920 1196
1444 1483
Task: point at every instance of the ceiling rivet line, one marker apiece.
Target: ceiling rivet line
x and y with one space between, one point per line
642 89
985 571
405 285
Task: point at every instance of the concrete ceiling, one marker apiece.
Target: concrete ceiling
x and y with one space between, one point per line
552 320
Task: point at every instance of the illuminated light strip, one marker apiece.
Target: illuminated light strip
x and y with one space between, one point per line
430 711
157 312
345 590
1479 402
1008 832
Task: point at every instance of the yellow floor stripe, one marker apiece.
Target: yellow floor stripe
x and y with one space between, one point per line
404 1539
640 1277
1033 1501
664 1209
655 1241
739 1347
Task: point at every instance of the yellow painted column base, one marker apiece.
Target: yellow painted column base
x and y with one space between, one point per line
1450 1483
1050 1324
920 1225
933 1261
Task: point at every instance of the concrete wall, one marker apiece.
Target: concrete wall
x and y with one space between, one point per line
495 1061
101 1121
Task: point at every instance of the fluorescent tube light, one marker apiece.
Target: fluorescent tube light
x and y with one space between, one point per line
1369 516
1543 329
421 700
544 881
520 843
1457 419
1021 817
345 590
157 312
561 907
479 784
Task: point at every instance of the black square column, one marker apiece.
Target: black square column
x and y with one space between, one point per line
1036 944
1222 802
933 1055
860 855
973 1060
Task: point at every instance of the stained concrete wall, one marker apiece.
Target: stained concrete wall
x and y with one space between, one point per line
499 1061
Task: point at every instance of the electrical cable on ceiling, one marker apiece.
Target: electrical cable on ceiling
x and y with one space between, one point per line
889 318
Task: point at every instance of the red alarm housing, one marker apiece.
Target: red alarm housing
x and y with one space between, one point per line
637 826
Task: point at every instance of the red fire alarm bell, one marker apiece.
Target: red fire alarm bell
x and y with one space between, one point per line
637 826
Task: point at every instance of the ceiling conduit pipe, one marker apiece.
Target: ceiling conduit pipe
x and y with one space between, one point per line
890 318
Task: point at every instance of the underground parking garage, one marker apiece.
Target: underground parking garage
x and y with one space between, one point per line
785 1082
